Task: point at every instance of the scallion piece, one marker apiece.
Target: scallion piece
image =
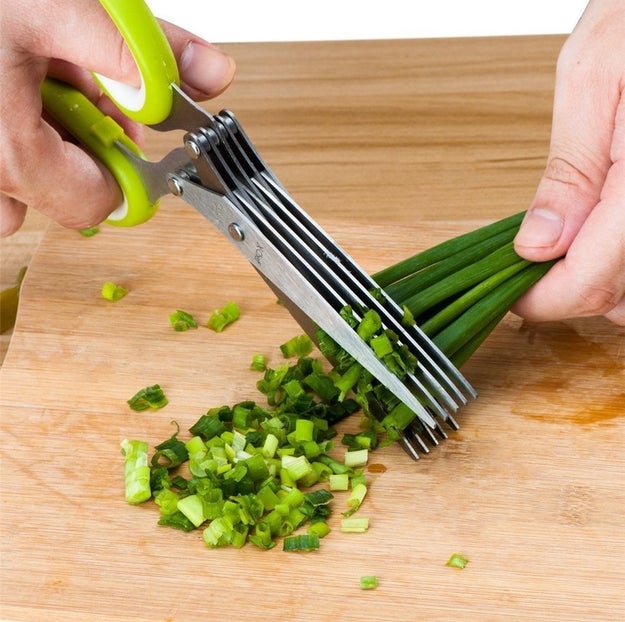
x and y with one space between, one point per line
259 362
192 508
181 320
300 345
354 524
319 528
368 582
356 458
113 292
457 561
301 542
89 232
136 471
355 499
149 397
339 481
226 315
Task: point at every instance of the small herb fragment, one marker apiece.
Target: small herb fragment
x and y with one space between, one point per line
354 524
355 499
89 232
220 318
368 582
457 561
113 292
149 397
301 542
259 362
136 471
300 345
181 320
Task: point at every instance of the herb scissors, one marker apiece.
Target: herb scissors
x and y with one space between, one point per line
218 171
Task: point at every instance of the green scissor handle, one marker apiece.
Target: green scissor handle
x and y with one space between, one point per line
100 134
150 104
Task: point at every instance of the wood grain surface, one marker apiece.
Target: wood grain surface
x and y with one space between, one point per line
391 146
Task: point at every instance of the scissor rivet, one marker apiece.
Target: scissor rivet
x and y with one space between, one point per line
192 149
235 231
174 186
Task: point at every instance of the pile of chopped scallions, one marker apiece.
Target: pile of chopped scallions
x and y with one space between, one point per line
251 471
256 473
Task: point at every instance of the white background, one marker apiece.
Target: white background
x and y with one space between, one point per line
288 20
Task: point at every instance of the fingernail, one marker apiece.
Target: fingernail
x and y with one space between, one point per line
205 67
541 227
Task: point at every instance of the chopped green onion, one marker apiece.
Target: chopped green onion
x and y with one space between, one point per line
170 453
149 397
220 318
296 467
113 292
302 542
192 508
356 458
319 528
177 520
354 524
355 499
368 582
339 481
89 231
457 561
136 471
181 320
259 362
300 345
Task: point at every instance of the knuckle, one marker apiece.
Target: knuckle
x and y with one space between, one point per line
564 171
599 299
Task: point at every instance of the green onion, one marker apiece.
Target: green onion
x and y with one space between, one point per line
457 561
339 481
302 542
300 345
259 362
181 320
89 232
354 524
459 290
136 471
368 582
113 292
356 458
355 499
319 528
149 397
220 318
192 508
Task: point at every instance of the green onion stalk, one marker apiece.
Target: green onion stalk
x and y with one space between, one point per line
457 292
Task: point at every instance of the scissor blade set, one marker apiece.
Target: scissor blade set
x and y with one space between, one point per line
312 275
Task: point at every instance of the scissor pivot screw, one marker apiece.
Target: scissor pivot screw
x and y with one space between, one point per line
174 186
235 231
192 149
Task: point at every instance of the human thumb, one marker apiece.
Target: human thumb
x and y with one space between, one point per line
585 102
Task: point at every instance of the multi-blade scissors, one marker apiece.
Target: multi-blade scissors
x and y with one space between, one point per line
218 171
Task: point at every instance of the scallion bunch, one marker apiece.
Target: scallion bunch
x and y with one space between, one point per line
457 292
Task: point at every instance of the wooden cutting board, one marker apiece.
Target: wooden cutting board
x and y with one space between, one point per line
391 146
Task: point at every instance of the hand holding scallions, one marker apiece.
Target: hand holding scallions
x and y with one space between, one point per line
579 207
